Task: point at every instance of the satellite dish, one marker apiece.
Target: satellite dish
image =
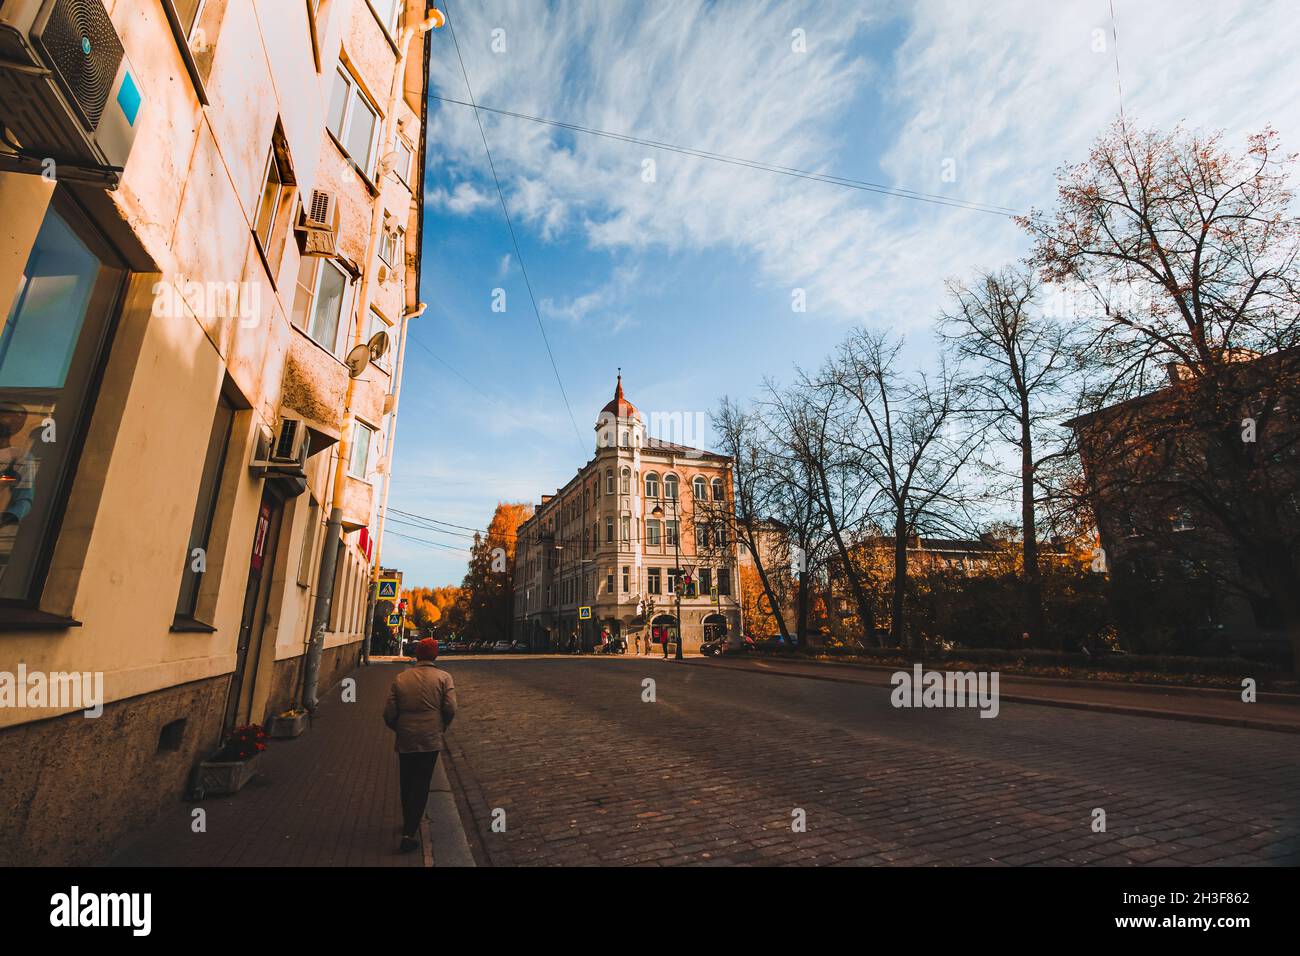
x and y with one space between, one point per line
378 345
357 360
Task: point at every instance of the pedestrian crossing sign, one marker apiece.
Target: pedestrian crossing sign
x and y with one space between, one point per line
388 589
584 613
394 620
713 594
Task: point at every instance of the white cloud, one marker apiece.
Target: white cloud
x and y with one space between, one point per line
1007 90
463 200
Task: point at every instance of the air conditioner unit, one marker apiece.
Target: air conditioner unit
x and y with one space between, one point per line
284 452
67 90
290 443
320 224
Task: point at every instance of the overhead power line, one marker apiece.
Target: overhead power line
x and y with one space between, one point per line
514 240
845 181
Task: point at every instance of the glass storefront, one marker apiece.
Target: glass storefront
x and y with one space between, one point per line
50 347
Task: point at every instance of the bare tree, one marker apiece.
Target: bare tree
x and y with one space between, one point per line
1193 256
804 420
742 436
907 435
1021 363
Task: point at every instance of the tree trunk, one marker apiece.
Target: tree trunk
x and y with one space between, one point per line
767 585
897 623
1033 583
801 605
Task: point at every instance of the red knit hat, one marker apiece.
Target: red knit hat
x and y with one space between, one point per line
426 650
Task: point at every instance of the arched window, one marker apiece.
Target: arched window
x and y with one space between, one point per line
699 488
623 441
651 485
609 481
718 493
670 487
625 482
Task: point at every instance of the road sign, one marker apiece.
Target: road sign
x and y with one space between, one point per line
713 594
388 589
584 614
394 620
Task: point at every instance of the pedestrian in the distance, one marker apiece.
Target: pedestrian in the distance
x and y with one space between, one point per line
421 705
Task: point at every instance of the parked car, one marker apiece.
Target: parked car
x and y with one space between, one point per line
723 645
501 647
520 647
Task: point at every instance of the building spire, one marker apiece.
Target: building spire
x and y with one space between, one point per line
618 389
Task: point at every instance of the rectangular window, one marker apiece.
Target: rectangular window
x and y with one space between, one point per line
652 580
706 580
323 298
196 553
626 528
402 167
652 533
51 345
359 458
389 13
379 324
674 580
277 187
353 121
308 542
670 533
724 581
609 583
627 579
391 247
609 530
701 536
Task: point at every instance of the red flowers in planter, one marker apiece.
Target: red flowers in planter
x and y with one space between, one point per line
243 743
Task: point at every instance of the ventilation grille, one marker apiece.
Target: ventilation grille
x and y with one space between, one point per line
80 45
322 206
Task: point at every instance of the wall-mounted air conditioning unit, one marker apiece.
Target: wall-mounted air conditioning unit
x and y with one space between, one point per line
67 90
286 451
319 226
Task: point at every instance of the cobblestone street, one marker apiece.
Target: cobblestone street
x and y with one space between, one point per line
714 770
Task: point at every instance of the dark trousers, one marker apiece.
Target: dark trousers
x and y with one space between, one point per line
415 773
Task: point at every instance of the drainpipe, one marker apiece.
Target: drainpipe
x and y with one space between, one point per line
390 444
334 530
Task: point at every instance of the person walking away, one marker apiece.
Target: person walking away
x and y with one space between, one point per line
421 706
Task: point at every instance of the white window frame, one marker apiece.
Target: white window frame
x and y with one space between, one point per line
358 426
345 306
394 18
402 170
354 91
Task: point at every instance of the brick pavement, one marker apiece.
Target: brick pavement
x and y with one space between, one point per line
326 798
588 774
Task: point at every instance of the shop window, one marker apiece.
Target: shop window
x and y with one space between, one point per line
51 350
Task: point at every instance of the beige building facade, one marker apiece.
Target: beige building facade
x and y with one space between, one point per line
641 523
174 386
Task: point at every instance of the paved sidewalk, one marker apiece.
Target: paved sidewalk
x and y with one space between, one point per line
326 798
1277 712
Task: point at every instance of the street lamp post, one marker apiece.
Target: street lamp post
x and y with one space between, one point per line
658 512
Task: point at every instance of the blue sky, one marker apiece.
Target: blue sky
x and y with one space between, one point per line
687 281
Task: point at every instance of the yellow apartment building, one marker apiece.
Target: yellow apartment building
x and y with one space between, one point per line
208 205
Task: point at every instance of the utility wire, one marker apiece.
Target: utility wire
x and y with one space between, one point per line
434 544
510 225
861 184
1114 42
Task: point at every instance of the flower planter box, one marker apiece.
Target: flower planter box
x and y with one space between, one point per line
285 727
221 778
